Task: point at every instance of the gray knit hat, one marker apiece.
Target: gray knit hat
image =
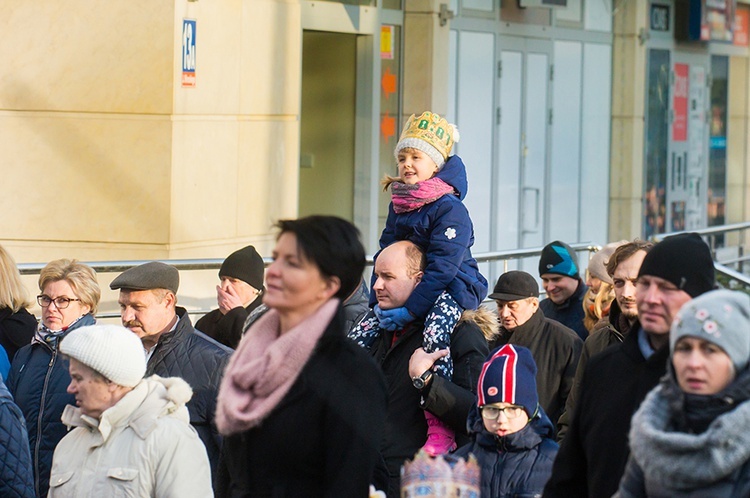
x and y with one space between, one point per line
112 350
721 317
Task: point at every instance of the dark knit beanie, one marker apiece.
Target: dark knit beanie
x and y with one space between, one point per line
509 376
558 258
244 264
683 259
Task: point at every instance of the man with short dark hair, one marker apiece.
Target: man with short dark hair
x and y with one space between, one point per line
173 348
554 346
558 269
593 454
413 388
622 266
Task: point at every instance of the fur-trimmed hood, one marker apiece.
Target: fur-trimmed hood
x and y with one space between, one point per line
485 319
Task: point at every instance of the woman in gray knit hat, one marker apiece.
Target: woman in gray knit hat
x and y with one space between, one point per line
690 437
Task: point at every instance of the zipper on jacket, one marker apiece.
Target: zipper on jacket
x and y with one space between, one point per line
39 419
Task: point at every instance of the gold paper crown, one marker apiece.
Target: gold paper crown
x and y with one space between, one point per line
427 477
433 129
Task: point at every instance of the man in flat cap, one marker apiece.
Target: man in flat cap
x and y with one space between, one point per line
554 346
241 276
173 348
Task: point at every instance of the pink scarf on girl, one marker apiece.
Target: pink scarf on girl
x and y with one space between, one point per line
264 367
410 197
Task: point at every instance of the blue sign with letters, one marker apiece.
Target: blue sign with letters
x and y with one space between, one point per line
188 52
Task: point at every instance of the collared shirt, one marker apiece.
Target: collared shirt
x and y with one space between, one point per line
150 352
643 344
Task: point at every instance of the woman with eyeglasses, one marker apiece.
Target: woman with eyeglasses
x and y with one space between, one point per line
39 376
512 436
690 435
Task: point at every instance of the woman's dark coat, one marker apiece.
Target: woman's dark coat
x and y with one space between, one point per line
322 439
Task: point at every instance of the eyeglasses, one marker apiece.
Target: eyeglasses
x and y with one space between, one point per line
60 302
493 412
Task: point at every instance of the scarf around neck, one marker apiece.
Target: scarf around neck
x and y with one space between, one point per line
411 197
265 366
52 337
683 460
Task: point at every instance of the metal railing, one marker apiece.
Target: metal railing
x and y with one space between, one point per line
712 234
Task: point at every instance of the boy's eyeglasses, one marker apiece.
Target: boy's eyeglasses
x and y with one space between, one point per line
493 412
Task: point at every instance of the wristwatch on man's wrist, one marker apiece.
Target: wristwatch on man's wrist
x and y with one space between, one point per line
422 381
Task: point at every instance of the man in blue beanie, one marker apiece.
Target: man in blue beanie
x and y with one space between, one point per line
593 454
558 268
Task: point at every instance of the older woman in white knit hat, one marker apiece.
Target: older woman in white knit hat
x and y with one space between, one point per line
690 436
131 435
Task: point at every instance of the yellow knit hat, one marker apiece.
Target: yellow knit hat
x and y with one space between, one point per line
431 134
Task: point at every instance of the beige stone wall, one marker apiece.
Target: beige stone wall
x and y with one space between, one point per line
628 97
738 136
110 158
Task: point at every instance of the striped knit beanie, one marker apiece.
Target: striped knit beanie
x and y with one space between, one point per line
509 376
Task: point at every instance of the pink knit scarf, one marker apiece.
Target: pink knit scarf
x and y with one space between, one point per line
264 367
410 197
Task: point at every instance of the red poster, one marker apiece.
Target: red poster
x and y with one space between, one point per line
741 26
680 102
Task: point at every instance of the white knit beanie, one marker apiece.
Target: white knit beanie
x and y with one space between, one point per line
112 350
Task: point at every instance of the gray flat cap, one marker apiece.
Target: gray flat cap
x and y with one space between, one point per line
153 275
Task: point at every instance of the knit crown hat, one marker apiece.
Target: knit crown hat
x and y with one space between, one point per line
598 262
721 317
559 258
112 350
684 260
431 134
509 376
244 264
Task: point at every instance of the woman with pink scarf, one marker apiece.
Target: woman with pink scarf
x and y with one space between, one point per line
301 406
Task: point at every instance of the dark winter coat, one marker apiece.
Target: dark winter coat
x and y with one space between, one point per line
227 329
570 313
16 330
16 476
445 233
199 361
405 423
668 461
39 381
593 454
555 349
613 331
516 465
321 440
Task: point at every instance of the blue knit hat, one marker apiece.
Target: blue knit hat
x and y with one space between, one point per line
559 258
509 376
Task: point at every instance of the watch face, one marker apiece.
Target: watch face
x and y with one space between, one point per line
418 382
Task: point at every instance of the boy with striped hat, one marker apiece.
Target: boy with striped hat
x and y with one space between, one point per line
512 436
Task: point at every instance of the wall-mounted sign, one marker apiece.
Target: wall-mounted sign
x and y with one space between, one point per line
386 41
705 20
680 103
188 52
659 18
741 26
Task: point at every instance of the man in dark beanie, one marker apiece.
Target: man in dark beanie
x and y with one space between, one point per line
239 293
593 454
558 268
